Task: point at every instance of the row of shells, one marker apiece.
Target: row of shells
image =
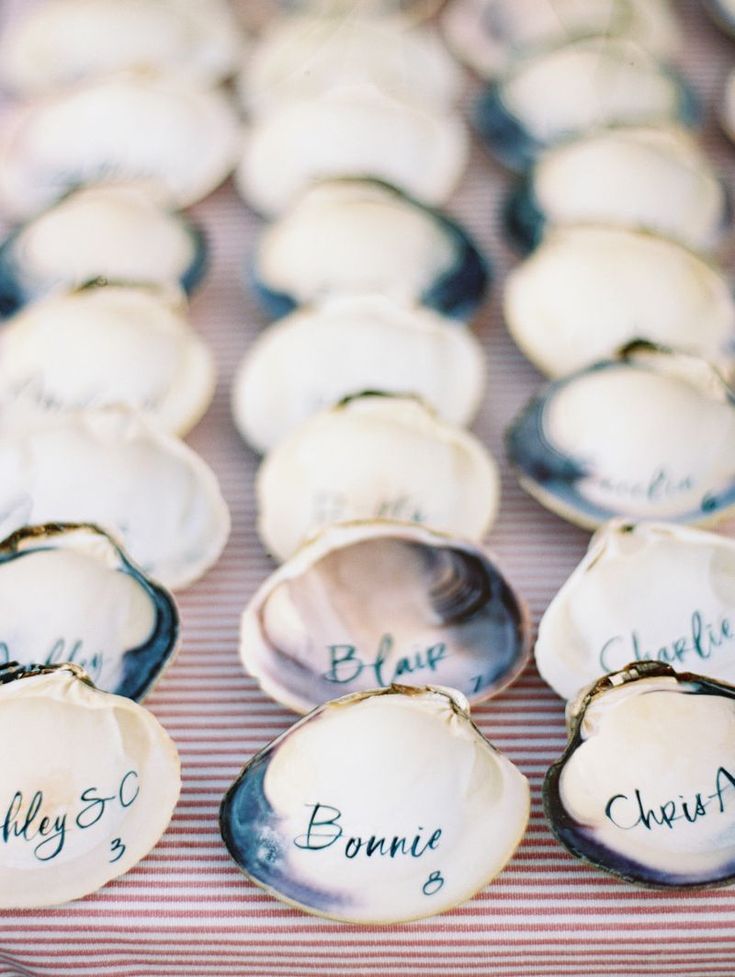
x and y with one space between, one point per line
373 285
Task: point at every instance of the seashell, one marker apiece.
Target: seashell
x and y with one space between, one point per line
727 107
180 139
108 618
332 818
558 94
317 356
644 788
624 438
416 10
375 457
722 13
108 345
56 45
655 180
307 56
643 591
118 233
109 467
86 791
351 131
353 237
326 624
489 35
586 291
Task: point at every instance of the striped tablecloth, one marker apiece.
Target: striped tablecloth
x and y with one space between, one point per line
186 911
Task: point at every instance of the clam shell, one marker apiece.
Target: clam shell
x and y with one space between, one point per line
368 604
315 357
643 591
586 291
109 618
334 819
88 785
644 789
308 55
489 35
181 139
118 233
655 180
722 13
55 45
624 438
109 467
104 346
352 237
351 131
727 107
375 457
555 95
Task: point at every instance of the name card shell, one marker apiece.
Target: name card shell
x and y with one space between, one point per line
87 795
333 819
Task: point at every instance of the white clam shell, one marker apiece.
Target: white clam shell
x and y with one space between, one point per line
375 457
307 56
460 807
317 356
181 139
488 34
108 618
117 232
99 767
350 237
625 438
657 180
642 591
108 345
351 131
53 45
367 604
146 488
586 291
645 787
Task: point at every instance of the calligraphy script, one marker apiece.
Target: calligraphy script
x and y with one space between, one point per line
47 834
627 812
325 829
346 665
62 651
701 639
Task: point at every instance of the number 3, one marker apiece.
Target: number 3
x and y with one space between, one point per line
117 848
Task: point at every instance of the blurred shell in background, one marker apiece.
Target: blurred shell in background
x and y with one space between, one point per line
148 489
108 345
119 626
375 457
489 35
55 45
586 291
180 139
358 237
558 94
317 356
647 435
116 232
656 180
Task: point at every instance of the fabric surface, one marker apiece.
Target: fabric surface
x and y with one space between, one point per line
186 910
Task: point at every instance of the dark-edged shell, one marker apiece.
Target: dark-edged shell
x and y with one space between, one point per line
625 438
108 617
587 291
359 237
317 356
555 95
646 787
645 590
180 139
148 489
88 784
116 232
656 180
373 457
364 605
379 807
